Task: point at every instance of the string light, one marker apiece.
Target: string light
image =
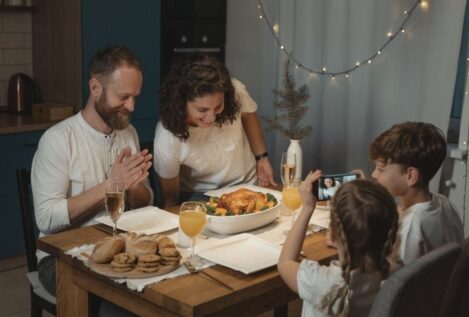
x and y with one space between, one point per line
274 29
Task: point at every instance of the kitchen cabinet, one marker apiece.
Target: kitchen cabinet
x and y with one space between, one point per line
66 34
18 152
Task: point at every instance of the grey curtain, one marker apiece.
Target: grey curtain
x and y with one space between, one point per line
413 78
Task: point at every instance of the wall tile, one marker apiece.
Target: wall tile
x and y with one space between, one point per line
17 56
11 40
7 70
28 69
17 22
28 40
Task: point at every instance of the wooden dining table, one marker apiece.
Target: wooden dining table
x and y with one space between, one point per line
187 295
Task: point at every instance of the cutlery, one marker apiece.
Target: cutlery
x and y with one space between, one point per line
210 277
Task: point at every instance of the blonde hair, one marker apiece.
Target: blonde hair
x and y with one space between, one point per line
364 222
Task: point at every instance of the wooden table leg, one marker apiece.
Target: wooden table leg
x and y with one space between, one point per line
281 311
71 300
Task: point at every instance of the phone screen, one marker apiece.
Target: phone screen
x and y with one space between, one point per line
327 185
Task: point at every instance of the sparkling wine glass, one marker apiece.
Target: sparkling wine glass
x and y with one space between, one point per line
287 167
192 218
292 199
115 201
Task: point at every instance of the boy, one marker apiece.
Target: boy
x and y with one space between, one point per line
406 158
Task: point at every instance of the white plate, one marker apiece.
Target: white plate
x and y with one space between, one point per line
243 252
242 223
147 220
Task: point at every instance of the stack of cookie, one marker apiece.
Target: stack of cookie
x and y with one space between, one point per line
123 262
148 263
170 256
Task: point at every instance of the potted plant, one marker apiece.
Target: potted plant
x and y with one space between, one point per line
291 105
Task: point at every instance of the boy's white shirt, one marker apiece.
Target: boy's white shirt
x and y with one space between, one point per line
428 225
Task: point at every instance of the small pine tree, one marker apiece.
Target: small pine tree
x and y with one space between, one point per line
291 103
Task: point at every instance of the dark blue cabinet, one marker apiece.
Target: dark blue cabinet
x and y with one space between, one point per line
18 152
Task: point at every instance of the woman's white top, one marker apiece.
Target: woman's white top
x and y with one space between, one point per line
211 157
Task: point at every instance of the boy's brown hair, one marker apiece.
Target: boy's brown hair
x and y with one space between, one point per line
411 144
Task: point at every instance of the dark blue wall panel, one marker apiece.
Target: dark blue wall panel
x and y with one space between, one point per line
135 24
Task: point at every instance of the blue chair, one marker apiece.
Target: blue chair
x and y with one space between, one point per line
418 288
40 297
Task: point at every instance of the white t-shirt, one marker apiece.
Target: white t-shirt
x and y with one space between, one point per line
71 158
211 157
315 281
428 225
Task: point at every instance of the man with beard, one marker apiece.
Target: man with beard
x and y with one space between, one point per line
77 156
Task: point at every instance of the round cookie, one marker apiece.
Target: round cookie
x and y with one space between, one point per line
169 252
148 258
124 258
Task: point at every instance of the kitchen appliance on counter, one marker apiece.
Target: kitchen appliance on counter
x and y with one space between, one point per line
20 93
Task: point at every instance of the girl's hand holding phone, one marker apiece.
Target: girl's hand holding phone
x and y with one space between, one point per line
308 200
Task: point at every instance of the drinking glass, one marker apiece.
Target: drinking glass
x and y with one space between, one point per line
292 199
192 218
115 201
287 167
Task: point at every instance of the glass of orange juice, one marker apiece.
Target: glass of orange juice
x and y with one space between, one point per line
291 198
192 218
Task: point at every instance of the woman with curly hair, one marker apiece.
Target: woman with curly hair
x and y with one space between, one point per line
209 135
364 223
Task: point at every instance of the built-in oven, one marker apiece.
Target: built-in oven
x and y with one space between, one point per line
191 26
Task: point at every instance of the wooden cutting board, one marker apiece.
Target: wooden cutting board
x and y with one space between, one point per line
106 270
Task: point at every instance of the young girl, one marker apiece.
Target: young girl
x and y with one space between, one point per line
364 222
209 135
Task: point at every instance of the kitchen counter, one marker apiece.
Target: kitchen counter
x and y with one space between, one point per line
16 123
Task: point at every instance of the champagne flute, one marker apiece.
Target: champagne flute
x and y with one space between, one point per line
115 202
287 167
292 199
192 218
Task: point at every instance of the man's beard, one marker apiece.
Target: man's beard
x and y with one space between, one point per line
111 116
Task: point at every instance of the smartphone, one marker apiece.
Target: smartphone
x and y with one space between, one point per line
328 184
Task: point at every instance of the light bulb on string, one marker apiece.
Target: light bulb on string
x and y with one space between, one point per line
260 17
391 35
347 75
275 28
333 77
